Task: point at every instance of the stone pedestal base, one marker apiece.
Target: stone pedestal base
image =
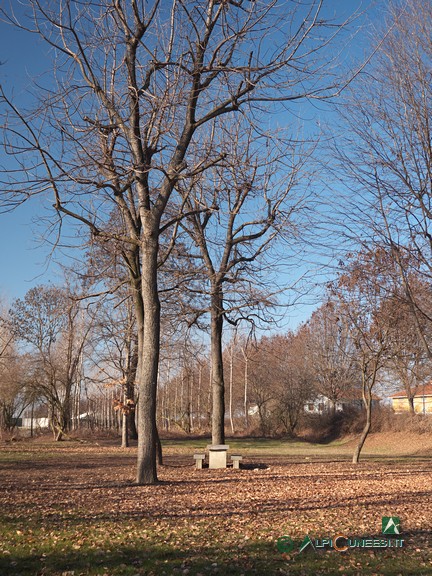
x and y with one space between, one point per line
218 455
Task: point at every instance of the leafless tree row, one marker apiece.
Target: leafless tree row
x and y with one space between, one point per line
134 120
156 135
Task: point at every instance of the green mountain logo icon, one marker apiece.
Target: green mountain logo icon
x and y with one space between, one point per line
285 544
390 525
306 542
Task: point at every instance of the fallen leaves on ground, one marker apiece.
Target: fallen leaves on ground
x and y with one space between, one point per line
80 501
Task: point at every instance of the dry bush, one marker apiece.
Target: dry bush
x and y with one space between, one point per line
328 426
384 419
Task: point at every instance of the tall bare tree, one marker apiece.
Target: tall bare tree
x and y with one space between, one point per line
137 86
387 155
237 211
363 306
281 381
295 386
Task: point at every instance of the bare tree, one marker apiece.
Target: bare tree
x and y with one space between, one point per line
231 359
386 156
262 381
49 321
362 303
15 388
106 278
408 362
237 211
330 352
136 87
115 353
281 381
295 378
245 350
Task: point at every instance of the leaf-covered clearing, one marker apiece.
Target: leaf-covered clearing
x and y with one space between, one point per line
70 510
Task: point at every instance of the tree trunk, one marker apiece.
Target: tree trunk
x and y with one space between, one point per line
209 397
31 419
411 405
367 401
125 431
245 399
133 434
52 421
231 383
191 386
130 394
158 448
218 386
148 346
263 424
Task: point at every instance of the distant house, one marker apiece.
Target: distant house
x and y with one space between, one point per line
422 400
322 404
37 422
44 423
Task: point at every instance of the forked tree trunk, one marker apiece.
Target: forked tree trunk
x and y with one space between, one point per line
218 386
367 401
61 422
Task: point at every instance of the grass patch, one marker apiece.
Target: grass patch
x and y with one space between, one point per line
137 547
132 548
256 446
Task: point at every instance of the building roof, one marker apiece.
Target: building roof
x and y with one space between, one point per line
355 395
347 396
420 391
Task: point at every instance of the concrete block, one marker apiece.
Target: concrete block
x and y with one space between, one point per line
218 455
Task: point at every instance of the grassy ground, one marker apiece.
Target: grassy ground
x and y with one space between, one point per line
70 509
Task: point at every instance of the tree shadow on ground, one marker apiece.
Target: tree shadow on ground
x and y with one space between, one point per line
247 558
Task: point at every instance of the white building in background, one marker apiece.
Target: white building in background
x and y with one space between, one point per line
321 404
37 423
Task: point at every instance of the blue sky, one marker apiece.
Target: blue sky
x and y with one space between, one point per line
24 256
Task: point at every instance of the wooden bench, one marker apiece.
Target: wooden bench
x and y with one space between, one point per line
236 460
199 460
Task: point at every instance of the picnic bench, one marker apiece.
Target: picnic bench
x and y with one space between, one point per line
199 460
236 459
